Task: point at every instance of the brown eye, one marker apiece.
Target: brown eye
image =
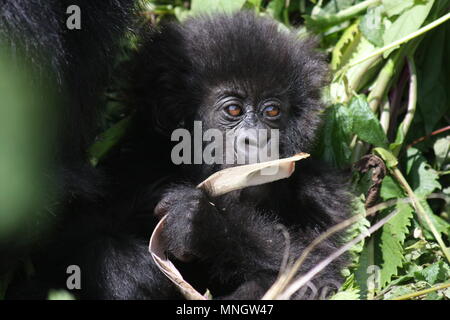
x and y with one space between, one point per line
233 110
271 111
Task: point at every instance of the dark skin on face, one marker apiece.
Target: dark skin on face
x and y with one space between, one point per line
242 112
234 107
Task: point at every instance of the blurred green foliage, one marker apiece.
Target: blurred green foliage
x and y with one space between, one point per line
25 136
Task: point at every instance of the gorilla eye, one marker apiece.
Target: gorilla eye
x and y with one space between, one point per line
271 111
233 110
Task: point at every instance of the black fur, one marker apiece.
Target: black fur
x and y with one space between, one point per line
234 239
75 61
86 226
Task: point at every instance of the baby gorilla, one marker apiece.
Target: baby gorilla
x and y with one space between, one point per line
238 73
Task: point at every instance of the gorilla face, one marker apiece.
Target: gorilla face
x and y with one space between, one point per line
249 121
257 86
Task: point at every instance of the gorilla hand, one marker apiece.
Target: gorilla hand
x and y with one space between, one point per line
193 227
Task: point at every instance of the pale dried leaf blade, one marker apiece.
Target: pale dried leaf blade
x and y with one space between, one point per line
219 183
240 177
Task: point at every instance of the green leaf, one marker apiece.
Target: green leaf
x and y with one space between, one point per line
108 140
181 13
253 4
408 22
433 76
396 7
422 178
442 226
276 8
344 48
399 139
336 6
389 159
335 12
351 294
211 6
336 135
437 272
398 291
365 123
392 237
60 295
361 272
390 189
442 150
372 26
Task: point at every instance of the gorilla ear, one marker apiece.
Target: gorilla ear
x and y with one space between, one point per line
165 123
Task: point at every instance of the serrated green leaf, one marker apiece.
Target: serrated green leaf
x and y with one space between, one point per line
361 271
344 47
437 272
336 136
392 237
365 124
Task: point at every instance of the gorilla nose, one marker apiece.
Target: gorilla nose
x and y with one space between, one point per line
248 148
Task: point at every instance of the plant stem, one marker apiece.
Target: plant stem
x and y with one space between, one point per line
447 128
297 284
422 292
407 38
421 211
385 78
385 115
356 9
412 100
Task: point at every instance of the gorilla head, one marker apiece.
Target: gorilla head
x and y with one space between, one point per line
237 74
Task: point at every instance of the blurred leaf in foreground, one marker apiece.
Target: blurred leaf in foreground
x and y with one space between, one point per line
24 131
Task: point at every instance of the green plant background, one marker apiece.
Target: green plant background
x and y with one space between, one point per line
390 101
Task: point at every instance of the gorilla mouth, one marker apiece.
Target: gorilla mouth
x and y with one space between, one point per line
239 177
